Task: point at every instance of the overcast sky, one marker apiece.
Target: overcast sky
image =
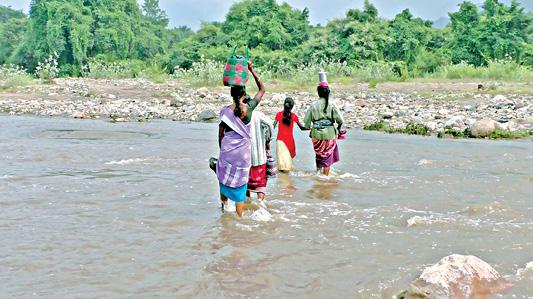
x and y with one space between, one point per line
192 13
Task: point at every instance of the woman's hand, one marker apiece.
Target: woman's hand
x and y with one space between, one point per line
250 65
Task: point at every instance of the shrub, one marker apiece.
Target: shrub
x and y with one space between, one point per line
48 69
411 128
205 72
377 71
98 69
416 129
507 134
377 126
13 76
504 70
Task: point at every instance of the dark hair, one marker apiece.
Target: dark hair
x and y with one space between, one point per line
323 92
237 92
287 108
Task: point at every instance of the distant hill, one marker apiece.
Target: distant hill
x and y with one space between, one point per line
441 22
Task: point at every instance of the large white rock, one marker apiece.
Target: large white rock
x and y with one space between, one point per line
483 128
278 97
455 122
202 92
500 98
457 276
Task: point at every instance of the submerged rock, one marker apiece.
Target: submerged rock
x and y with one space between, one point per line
457 276
526 272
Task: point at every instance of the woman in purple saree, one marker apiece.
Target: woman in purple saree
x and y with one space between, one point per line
234 162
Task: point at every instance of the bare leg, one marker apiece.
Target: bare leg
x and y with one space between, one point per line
261 196
240 208
224 201
325 171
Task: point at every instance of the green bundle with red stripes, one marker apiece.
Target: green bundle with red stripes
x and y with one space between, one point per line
236 70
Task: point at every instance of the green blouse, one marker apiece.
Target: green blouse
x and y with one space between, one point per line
316 113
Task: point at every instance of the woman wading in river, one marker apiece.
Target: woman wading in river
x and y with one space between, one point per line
233 165
321 118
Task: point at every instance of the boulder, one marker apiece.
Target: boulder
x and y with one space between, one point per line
455 122
78 114
500 99
278 97
174 103
387 115
347 107
483 128
432 125
360 103
470 107
202 92
457 276
206 115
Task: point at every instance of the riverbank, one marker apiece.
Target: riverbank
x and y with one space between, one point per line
440 107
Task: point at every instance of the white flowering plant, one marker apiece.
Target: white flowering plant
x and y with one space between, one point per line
13 75
48 69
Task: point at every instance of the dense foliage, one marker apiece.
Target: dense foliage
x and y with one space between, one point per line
87 33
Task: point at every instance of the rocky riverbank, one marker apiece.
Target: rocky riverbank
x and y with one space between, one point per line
450 106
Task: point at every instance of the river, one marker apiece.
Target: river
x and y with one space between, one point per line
91 209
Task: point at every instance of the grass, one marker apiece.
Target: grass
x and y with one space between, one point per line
508 71
423 130
507 134
12 76
373 84
411 128
496 134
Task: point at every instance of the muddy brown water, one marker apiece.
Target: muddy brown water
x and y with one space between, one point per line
91 209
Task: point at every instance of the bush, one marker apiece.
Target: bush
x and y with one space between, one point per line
205 72
496 70
377 126
378 72
507 134
416 129
13 76
48 69
411 128
98 69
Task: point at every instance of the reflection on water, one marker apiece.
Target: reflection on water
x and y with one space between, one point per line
94 209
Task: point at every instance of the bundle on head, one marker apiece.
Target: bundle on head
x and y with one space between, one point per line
237 92
323 92
287 108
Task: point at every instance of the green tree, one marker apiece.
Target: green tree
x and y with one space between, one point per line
116 26
13 26
503 32
409 37
56 26
264 22
7 13
154 13
466 27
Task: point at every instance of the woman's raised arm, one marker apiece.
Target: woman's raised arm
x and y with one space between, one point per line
260 85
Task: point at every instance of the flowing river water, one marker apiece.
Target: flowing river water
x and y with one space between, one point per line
91 209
